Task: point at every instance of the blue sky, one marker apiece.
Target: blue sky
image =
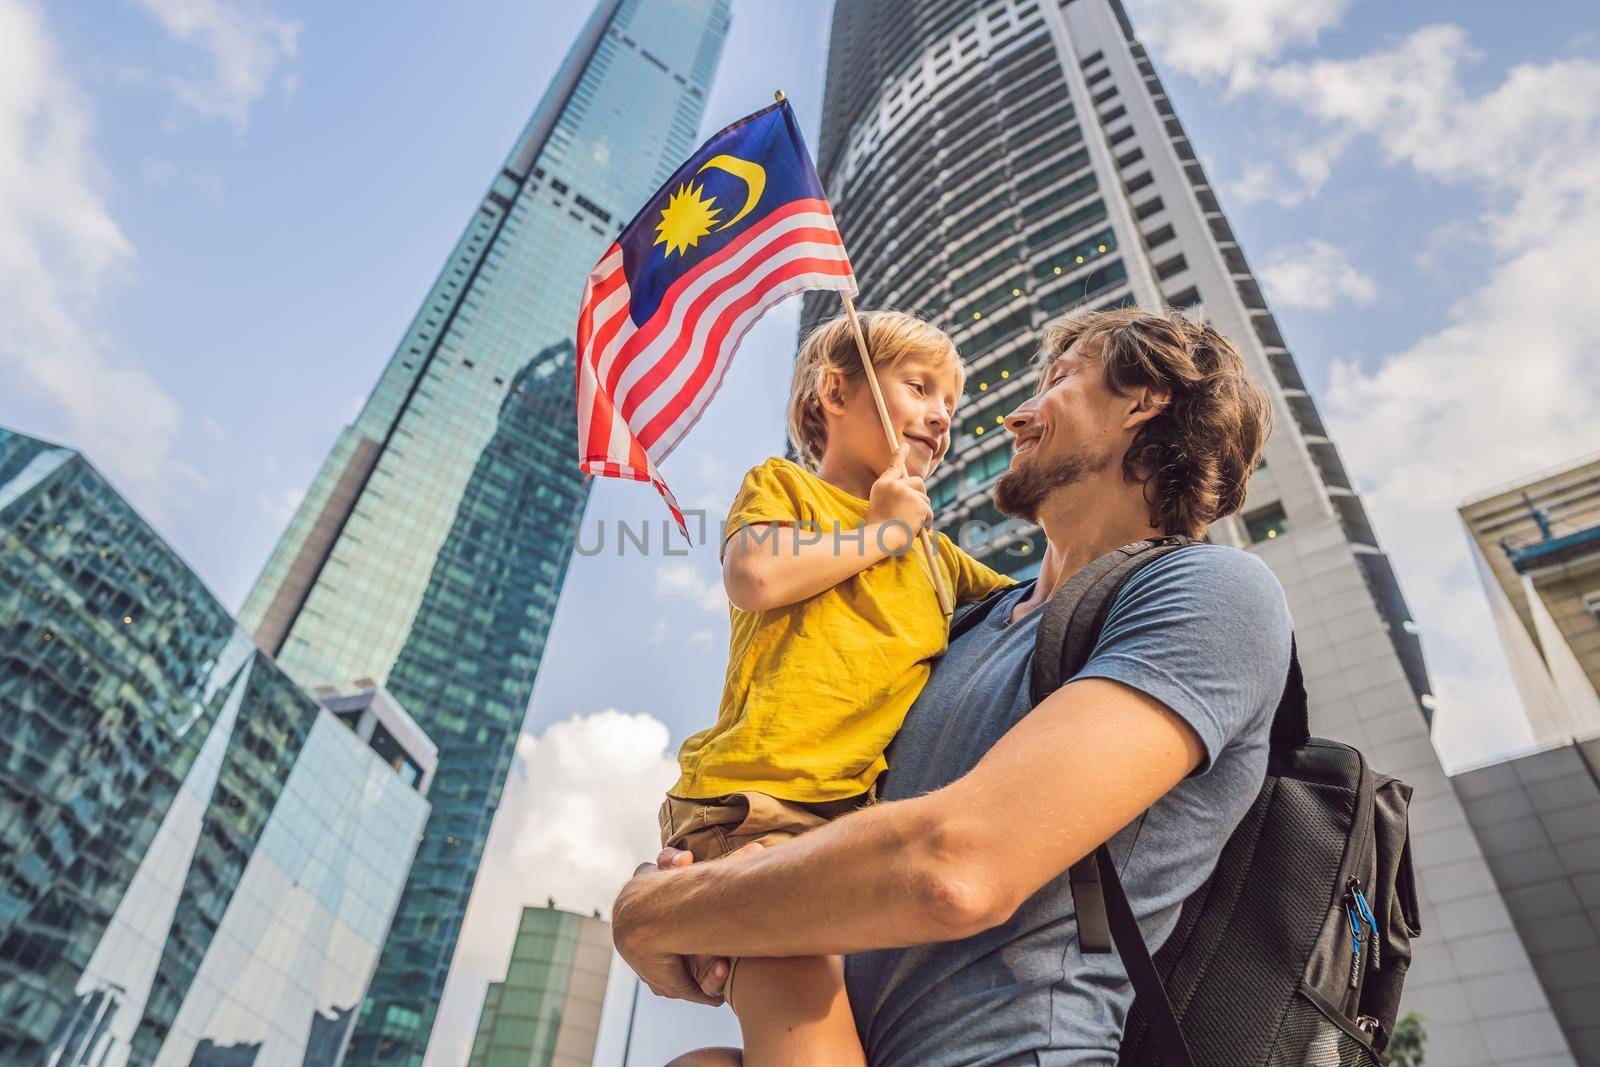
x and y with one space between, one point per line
217 217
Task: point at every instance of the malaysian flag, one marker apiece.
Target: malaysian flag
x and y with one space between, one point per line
740 226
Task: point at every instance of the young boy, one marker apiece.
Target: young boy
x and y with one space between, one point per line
835 620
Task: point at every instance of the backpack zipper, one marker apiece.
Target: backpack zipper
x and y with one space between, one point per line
1355 937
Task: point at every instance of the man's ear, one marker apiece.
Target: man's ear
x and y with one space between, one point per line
1146 404
832 389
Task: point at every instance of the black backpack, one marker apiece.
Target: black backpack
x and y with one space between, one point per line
1293 952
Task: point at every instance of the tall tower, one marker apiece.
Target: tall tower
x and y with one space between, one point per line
546 1011
429 552
997 164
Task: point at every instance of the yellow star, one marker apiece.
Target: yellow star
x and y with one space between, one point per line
688 216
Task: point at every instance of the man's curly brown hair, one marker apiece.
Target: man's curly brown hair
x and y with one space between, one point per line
1195 458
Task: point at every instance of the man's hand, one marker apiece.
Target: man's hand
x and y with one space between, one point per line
695 978
666 973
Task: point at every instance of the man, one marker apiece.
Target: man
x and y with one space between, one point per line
952 896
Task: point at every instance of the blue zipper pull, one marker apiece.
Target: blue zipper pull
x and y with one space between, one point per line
1372 925
1355 946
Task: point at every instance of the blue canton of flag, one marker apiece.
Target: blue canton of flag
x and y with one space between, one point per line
740 227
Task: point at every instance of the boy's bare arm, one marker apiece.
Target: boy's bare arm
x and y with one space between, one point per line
771 565
938 867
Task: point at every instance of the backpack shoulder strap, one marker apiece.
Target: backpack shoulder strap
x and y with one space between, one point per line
1073 618
969 616
1068 630
1148 989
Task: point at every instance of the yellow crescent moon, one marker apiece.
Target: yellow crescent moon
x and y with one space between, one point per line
753 175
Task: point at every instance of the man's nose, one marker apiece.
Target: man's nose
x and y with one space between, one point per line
1023 417
938 419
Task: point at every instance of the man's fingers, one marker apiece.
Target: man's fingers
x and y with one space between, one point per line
746 851
674 857
916 483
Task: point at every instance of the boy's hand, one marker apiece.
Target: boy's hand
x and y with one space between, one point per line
899 498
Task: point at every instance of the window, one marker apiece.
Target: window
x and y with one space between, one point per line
1266 524
1160 237
1148 208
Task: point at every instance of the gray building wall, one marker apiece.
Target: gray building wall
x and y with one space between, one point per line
1538 820
956 143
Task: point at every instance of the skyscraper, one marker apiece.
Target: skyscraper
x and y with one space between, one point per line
546 1011
429 552
1536 544
997 164
199 863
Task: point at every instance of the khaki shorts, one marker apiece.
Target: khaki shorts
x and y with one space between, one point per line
711 829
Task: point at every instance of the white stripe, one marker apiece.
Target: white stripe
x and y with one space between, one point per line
756 248
663 395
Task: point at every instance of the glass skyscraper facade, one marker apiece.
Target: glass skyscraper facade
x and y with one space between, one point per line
995 164
429 552
546 1011
198 862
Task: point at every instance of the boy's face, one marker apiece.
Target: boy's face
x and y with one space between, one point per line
920 393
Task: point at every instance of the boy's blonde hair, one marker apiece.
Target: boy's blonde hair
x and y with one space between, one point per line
891 337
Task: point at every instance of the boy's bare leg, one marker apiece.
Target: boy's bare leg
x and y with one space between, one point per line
794 1013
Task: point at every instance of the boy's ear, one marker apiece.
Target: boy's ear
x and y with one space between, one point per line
831 390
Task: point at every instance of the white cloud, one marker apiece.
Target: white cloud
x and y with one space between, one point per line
243 45
1530 144
58 245
682 581
1315 275
282 505
1509 384
578 815
1230 40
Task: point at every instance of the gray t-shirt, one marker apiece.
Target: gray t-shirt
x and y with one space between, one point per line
1205 630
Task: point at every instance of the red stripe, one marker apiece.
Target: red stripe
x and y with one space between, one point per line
593 295
599 435
596 428
693 387
668 361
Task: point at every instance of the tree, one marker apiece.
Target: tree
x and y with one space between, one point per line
1405 1046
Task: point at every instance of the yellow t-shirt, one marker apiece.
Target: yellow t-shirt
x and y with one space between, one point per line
815 691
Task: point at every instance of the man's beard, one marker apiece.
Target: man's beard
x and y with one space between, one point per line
1021 490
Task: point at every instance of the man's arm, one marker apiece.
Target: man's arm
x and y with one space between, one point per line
1085 762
